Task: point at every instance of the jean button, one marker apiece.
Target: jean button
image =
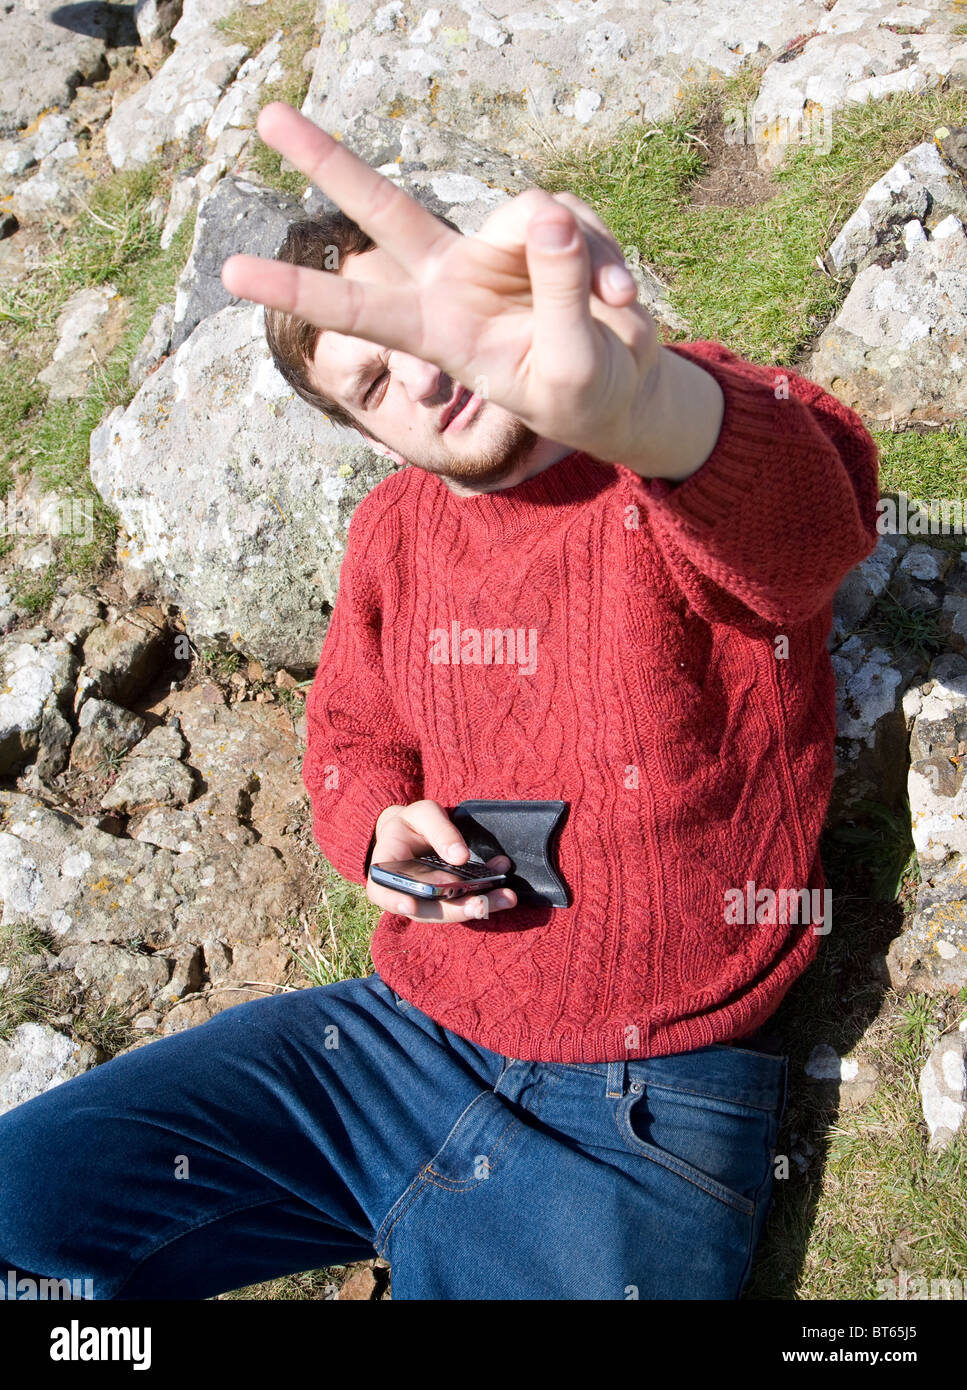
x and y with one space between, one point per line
635 1087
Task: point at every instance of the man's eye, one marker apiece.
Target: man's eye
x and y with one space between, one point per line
372 387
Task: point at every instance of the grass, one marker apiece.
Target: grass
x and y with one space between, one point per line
338 949
254 27
112 240
910 631
746 275
26 995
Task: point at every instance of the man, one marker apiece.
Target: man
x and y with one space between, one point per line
523 1102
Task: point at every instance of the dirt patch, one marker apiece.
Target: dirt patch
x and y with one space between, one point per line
732 177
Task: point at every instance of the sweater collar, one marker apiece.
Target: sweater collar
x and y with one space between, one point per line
538 501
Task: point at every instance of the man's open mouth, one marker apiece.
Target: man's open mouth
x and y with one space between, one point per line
457 407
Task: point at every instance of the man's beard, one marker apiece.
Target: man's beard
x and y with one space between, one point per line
495 465
490 466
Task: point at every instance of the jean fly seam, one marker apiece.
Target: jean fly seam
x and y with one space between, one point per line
418 1181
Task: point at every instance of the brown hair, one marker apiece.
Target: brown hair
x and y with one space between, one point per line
315 243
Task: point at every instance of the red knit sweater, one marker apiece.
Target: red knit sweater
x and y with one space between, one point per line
647 689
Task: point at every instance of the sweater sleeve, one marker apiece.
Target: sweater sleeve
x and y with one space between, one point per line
360 758
783 507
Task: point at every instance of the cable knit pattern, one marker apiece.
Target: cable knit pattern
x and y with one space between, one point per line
693 756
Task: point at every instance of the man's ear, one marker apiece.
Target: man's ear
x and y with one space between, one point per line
383 449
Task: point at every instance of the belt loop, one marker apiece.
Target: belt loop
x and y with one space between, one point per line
617 1079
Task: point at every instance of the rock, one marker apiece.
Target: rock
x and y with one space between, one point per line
185 192
930 955
186 976
359 1285
943 1090
166 740
116 976
155 345
36 1058
849 57
79 883
128 654
105 730
920 186
178 101
37 673
234 492
145 782
189 1014
863 586
58 187
235 216
560 74
156 18
938 787
855 1080
896 348
43 62
89 326
239 107
871 733
33 144
76 613
199 16
53 749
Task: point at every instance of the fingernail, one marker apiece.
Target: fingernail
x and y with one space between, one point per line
619 279
480 907
553 236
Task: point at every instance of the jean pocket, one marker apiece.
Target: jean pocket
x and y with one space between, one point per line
722 1147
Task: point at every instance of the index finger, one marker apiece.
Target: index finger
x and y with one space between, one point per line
399 225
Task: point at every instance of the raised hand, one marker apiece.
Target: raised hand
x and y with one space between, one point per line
551 341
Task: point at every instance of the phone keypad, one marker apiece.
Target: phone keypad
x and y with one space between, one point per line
469 871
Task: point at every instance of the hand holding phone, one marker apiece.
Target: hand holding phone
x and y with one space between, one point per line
430 877
421 868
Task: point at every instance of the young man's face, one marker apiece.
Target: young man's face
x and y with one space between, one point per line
403 402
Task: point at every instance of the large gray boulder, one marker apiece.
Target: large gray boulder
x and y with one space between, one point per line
235 494
235 216
896 348
177 103
517 77
49 50
855 52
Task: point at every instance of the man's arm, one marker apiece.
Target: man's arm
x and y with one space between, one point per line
782 506
679 420
360 758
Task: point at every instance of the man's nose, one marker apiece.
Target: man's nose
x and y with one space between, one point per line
423 380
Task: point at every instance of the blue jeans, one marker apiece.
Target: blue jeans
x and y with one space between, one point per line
327 1125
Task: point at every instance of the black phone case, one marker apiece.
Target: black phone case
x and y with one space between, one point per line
525 831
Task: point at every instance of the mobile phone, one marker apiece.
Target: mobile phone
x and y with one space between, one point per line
429 876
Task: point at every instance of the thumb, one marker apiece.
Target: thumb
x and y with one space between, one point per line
559 266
